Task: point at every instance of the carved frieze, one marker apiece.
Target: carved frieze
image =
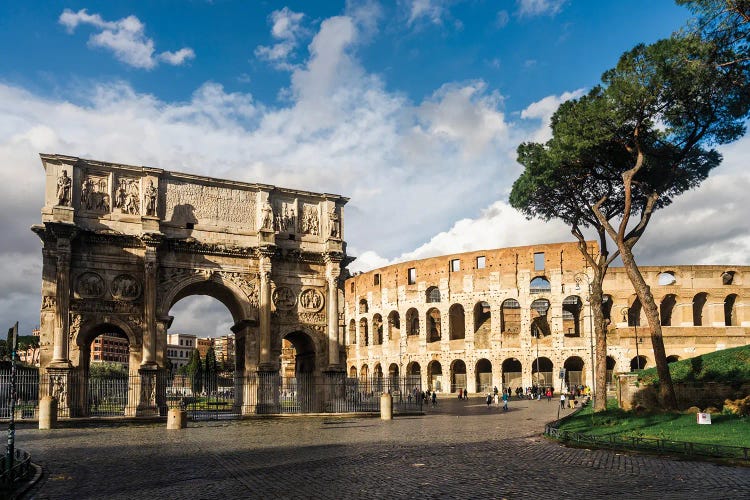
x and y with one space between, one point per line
48 302
310 223
284 298
249 286
188 202
90 285
312 317
127 196
125 287
311 300
104 306
75 325
95 194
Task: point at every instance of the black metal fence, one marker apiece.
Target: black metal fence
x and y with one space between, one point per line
20 470
208 397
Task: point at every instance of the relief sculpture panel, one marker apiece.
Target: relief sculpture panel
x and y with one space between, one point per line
187 202
95 194
127 196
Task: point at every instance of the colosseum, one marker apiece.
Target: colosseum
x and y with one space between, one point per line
515 317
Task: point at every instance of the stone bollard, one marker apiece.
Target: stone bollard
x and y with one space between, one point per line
386 407
48 413
176 419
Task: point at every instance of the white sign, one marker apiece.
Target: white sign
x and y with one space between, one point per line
704 418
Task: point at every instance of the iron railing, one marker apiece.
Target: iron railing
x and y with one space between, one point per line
206 397
19 471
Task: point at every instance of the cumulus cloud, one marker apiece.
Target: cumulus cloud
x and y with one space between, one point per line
543 110
286 28
432 176
126 38
530 8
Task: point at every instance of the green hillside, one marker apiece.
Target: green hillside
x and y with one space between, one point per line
729 365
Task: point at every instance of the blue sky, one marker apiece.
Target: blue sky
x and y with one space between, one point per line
413 109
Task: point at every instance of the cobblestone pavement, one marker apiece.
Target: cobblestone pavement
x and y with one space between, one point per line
457 450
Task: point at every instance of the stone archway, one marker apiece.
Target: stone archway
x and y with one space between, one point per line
122 244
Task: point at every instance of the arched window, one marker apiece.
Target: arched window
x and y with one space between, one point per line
456 322
432 294
540 284
394 326
666 308
699 301
634 313
730 311
412 322
363 306
666 278
432 320
571 313
510 316
377 329
539 325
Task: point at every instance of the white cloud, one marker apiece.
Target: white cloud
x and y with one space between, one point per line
126 38
287 28
543 110
529 8
430 10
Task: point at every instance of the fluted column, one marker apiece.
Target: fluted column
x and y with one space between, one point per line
264 318
333 270
150 261
62 304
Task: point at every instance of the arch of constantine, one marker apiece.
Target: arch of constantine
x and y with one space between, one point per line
122 244
515 317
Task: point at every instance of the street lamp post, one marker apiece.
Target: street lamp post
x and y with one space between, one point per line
626 316
579 278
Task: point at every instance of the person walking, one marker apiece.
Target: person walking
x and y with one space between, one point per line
489 400
562 401
434 398
505 401
549 394
460 394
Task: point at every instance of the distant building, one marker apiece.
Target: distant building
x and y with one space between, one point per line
204 344
179 348
110 348
30 355
224 349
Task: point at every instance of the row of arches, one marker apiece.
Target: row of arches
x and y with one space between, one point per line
543 372
699 301
372 332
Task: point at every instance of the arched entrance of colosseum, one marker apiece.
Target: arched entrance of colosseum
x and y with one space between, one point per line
435 376
353 372
482 325
458 375
638 363
673 358
574 372
483 375
611 365
393 374
271 255
512 373
414 375
541 371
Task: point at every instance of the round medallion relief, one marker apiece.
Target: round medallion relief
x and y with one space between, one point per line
125 287
311 300
284 298
90 285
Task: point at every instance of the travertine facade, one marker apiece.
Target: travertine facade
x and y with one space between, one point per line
123 243
479 320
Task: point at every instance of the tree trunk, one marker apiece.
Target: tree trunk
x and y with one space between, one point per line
600 375
643 291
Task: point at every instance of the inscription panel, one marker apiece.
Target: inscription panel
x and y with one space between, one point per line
188 202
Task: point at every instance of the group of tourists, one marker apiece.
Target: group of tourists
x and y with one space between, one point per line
463 394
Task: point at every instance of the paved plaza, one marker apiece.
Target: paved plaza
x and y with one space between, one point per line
458 450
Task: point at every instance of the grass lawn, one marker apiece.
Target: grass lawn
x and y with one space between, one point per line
728 430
